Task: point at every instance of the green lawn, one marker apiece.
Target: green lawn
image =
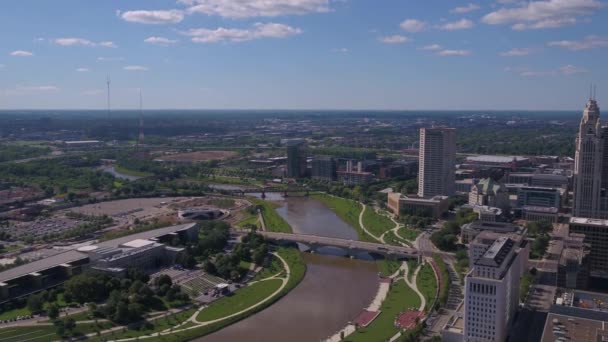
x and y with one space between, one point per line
408 233
253 220
240 300
347 210
30 334
387 267
15 312
376 223
392 239
274 222
427 284
400 298
445 282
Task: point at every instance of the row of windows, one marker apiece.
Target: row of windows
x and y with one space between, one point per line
483 288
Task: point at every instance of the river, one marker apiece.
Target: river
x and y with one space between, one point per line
333 292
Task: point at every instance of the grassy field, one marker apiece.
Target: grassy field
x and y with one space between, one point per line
240 300
273 268
274 222
408 233
392 239
445 283
30 334
376 223
347 210
400 298
427 284
387 267
15 312
253 220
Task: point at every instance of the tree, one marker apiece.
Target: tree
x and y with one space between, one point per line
34 303
53 311
69 324
60 328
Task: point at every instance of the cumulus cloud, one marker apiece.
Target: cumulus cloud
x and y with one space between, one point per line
589 42
257 31
82 42
152 17
413 25
110 59
394 39
256 8
83 70
566 70
135 68
432 47
465 9
448 52
160 41
461 24
542 14
21 53
517 52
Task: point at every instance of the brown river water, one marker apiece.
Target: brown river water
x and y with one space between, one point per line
333 292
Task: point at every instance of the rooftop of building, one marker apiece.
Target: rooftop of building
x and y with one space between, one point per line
497 253
544 210
489 186
414 198
495 226
589 221
567 328
75 255
488 237
496 159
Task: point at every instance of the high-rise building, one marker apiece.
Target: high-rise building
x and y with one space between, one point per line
596 235
588 163
437 158
296 158
324 168
492 292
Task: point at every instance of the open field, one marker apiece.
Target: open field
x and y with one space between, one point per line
408 233
376 223
400 298
274 222
427 284
198 156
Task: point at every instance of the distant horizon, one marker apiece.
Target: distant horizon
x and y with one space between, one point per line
286 109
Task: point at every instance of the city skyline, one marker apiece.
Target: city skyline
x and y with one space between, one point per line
306 54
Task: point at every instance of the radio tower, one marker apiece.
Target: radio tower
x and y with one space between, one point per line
140 137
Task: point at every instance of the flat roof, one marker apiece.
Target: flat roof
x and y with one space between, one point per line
42 264
571 328
137 243
74 255
588 221
496 159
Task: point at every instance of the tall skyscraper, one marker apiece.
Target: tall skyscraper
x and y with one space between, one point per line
324 168
589 163
296 158
437 158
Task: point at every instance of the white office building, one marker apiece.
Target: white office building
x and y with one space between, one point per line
492 292
437 159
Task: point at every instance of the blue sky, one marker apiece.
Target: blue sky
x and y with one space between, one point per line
303 54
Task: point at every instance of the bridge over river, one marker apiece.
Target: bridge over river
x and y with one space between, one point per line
353 246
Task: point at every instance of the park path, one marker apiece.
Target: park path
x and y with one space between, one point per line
198 324
363 226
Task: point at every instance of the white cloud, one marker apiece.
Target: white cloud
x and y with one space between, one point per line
563 70
544 24
395 39
81 42
107 44
36 88
110 59
258 31
542 14
256 8
83 70
461 24
517 52
21 53
152 17
160 41
341 50
135 68
432 47
571 69
448 52
413 25
590 42
465 9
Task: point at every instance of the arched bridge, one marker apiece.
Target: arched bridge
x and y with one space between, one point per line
314 241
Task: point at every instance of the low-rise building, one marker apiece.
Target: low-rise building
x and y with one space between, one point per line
539 197
490 193
532 213
434 207
596 235
470 230
573 266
